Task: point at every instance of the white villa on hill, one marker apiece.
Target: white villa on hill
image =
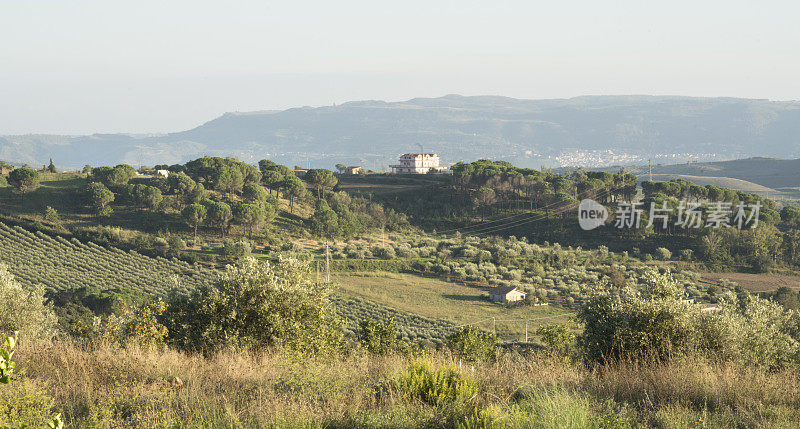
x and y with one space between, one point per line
418 163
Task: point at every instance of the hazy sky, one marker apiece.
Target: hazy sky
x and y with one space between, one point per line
75 67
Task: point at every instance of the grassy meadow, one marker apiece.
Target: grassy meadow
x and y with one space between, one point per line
455 302
118 388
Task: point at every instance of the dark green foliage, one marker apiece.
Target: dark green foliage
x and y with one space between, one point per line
253 193
99 197
113 178
474 345
559 339
325 222
787 298
378 338
194 215
218 214
322 180
24 180
144 196
181 185
222 174
250 216
293 188
51 215
256 306
81 304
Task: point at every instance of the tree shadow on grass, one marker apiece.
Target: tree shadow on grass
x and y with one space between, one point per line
470 298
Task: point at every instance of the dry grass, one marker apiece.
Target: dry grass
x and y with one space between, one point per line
110 387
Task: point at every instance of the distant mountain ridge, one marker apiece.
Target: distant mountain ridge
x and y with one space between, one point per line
590 131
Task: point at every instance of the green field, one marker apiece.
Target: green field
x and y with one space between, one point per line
454 302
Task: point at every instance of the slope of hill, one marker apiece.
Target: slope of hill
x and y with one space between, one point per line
768 172
590 131
762 175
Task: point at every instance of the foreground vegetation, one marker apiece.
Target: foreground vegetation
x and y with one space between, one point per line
131 387
245 331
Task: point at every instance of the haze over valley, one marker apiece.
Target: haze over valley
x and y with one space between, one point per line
591 131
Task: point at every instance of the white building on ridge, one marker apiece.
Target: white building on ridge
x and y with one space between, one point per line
418 163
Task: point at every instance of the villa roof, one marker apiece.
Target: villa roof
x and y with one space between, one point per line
503 290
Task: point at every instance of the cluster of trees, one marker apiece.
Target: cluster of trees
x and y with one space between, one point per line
340 215
220 214
220 192
491 185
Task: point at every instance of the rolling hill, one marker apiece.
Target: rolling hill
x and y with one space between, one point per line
589 131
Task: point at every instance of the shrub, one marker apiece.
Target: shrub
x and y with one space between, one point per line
654 323
558 338
236 249
176 243
255 306
383 252
24 309
441 387
473 345
663 253
378 338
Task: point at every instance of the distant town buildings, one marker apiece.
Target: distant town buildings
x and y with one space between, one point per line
418 163
299 172
163 173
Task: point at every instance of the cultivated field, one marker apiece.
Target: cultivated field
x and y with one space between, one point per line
756 282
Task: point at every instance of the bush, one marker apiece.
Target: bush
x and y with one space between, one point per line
378 338
663 253
236 249
559 339
256 306
473 345
384 252
655 324
442 387
176 243
25 309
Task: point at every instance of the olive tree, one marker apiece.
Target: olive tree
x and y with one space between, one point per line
24 180
255 306
24 309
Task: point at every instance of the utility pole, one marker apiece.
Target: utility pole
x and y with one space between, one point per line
327 263
650 169
494 326
317 271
